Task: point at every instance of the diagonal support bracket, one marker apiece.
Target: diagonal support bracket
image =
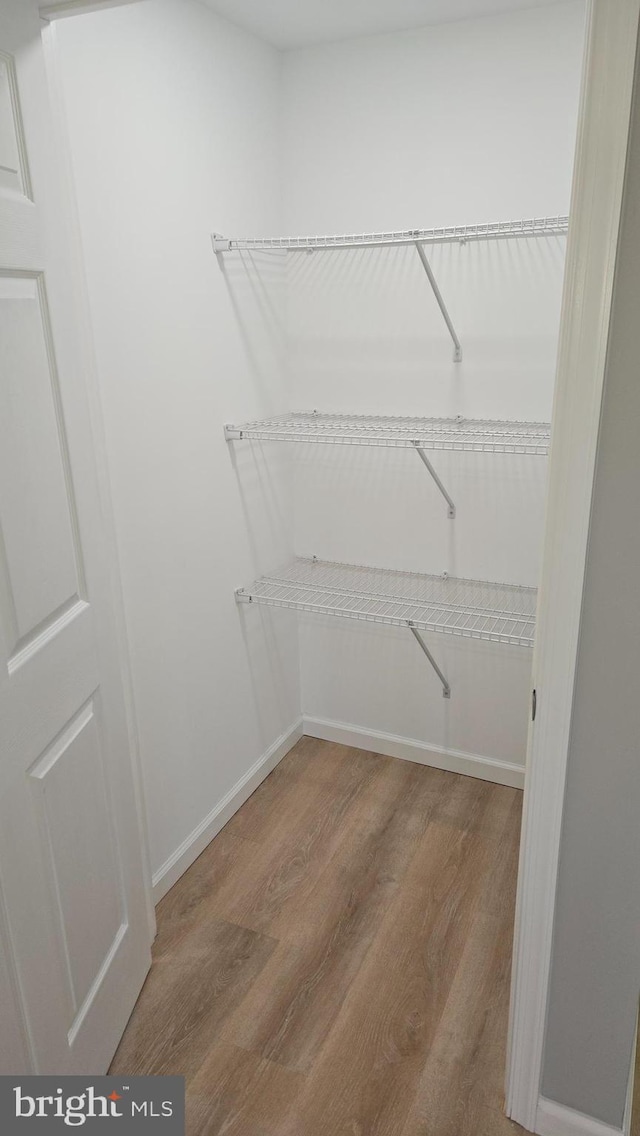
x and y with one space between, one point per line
446 689
451 511
457 346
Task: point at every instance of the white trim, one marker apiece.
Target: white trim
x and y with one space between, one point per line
203 833
591 255
553 1119
500 772
391 745
57 9
628 1106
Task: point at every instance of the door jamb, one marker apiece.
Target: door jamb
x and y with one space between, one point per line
603 128
59 9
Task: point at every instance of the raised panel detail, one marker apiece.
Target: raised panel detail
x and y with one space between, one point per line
86 888
16 1055
11 148
42 569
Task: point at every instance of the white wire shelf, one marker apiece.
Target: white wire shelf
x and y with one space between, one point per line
498 437
474 609
531 227
496 230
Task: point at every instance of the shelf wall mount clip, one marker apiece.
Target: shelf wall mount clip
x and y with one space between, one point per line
220 243
451 509
446 689
457 346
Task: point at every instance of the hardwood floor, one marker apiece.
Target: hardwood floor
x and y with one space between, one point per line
336 963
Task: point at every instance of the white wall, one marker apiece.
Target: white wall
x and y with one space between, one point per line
467 122
174 127
181 124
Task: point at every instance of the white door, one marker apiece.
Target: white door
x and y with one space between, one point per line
74 927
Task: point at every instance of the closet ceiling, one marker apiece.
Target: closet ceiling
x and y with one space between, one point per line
296 23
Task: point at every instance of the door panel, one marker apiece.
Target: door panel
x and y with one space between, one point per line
74 935
33 479
11 171
14 1044
90 905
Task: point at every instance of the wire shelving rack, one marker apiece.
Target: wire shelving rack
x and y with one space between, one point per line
457 434
494 230
531 227
472 609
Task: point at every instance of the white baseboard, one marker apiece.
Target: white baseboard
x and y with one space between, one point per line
203 834
553 1119
391 745
501 772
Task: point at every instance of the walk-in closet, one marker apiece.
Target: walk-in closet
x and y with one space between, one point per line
326 299
329 447
320 259
326 309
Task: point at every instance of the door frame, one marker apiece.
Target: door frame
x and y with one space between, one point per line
57 9
596 203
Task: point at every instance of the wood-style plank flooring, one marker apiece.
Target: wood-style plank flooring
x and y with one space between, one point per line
336 963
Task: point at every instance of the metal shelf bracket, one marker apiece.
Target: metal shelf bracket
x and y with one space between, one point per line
451 510
232 433
446 689
220 243
457 346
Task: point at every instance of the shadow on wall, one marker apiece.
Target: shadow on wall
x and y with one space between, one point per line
380 507
264 630
365 333
255 287
263 473
375 678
